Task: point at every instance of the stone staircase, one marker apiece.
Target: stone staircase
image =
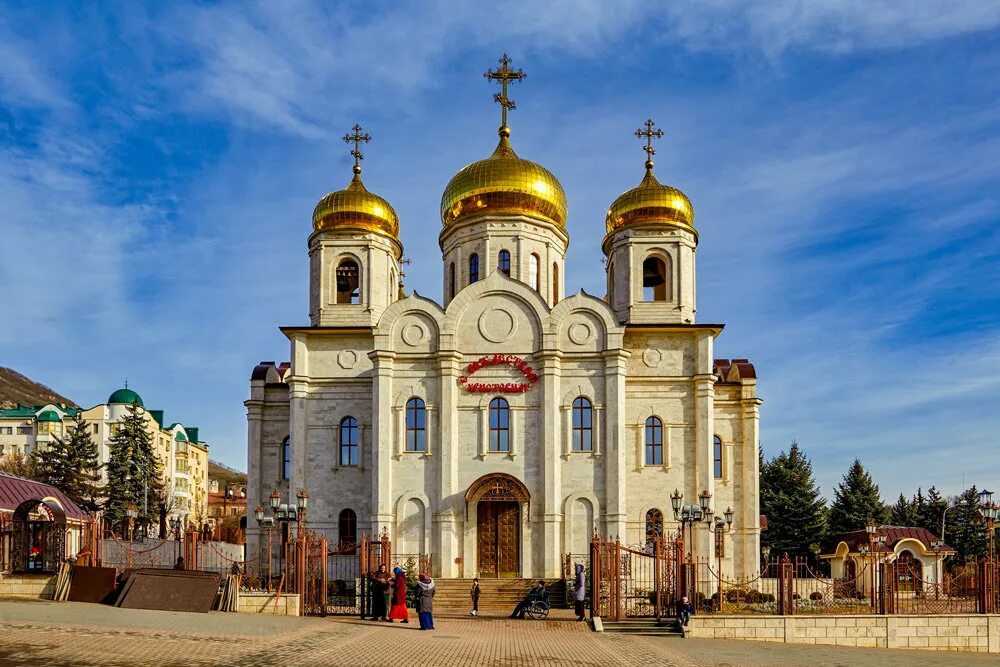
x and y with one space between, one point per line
496 595
665 627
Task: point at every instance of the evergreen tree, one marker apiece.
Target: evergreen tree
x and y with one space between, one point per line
84 461
791 501
930 513
965 528
52 465
856 501
134 470
904 512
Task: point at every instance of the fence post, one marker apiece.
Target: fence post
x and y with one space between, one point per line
324 587
595 576
786 602
618 579
986 587
363 576
657 555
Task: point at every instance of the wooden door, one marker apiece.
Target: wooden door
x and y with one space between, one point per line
499 539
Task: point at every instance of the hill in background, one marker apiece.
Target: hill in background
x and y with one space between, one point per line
226 475
16 389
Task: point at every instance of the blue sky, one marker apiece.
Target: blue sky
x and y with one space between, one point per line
159 165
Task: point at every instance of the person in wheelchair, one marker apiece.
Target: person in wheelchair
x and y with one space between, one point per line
536 594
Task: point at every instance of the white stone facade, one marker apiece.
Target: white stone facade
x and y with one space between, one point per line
632 360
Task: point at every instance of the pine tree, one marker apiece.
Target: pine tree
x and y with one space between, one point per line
52 465
84 461
966 531
791 501
932 510
856 501
134 470
904 512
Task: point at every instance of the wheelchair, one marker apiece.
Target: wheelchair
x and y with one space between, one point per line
538 610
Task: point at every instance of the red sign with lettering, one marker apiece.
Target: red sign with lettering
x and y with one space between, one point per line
499 387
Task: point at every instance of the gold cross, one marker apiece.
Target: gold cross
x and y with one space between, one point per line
356 139
504 76
650 134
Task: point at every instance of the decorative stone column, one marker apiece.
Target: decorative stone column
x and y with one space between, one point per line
616 521
380 442
448 519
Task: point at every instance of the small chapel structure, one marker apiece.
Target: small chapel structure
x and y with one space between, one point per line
499 429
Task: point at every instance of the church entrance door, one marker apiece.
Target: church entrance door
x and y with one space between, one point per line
498 529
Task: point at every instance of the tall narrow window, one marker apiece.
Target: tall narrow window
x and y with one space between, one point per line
347 528
348 282
654 525
583 425
416 425
611 284
533 264
717 457
348 441
654 441
503 262
499 425
393 286
451 280
473 268
555 283
655 280
286 459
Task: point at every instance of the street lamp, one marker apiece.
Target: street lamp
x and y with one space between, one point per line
265 523
722 526
131 512
286 513
991 513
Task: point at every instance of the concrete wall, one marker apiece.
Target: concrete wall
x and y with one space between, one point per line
966 632
38 586
264 603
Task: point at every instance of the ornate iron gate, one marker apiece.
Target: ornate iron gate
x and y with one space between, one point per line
627 582
371 554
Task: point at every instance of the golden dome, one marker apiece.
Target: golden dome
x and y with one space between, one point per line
506 184
356 208
651 202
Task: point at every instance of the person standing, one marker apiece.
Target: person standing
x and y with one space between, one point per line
475 597
425 601
579 592
398 610
379 583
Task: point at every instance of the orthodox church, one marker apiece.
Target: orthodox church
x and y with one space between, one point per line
498 430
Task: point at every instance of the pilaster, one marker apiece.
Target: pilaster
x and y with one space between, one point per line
616 517
380 442
551 461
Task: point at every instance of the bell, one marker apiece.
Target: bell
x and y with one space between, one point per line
652 274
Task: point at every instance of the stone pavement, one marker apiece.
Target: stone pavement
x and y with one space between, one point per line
78 635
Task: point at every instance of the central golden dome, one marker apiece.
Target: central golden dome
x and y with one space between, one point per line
356 208
506 184
651 202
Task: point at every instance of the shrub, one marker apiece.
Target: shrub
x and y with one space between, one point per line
815 595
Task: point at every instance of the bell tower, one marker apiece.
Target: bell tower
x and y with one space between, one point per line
354 252
650 249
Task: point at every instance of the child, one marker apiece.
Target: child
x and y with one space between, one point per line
475 597
425 602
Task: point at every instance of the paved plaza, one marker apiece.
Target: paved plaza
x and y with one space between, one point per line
77 634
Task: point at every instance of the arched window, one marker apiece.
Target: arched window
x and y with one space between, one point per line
654 441
533 266
451 280
583 425
717 457
347 528
416 425
555 283
473 268
348 282
348 441
503 262
499 425
286 458
654 526
655 280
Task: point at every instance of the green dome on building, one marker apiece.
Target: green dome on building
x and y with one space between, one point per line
126 396
48 416
180 437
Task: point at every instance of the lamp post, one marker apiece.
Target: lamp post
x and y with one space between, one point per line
286 513
765 551
936 546
131 512
266 523
990 512
722 526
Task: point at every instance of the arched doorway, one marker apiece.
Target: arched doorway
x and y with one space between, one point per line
498 499
909 572
39 543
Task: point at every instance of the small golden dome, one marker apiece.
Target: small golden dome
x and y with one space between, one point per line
506 184
356 208
651 202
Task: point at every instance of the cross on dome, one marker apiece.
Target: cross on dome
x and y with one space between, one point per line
504 76
649 133
357 138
